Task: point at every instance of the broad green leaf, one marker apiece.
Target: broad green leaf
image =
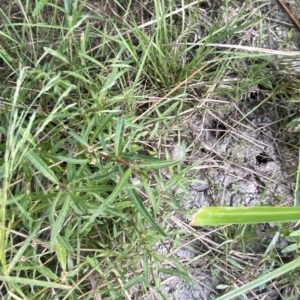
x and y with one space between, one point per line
119 136
155 165
86 132
295 233
71 172
210 216
222 286
41 166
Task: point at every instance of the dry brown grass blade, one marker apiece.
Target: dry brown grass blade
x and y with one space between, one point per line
284 7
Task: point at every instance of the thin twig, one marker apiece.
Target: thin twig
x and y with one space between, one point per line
284 7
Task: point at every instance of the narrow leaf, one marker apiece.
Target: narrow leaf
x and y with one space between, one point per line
136 200
261 280
41 166
61 255
175 272
34 282
291 248
46 272
72 160
79 139
155 165
230 32
56 54
115 193
65 243
101 123
58 223
25 245
39 6
133 281
119 136
210 216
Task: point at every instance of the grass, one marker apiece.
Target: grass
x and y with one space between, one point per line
96 104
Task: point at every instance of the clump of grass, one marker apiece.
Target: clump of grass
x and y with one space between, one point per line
91 108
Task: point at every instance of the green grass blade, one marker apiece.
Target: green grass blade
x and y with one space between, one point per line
79 139
72 160
155 165
61 255
39 6
101 123
232 31
261 280
119 187
211 216
143 211
34 282
41 166
58 223
25 245
56 54
46 272
297 188
119 137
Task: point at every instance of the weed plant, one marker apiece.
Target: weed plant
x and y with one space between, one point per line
94 97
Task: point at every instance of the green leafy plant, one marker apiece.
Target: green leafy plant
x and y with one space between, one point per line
96 150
